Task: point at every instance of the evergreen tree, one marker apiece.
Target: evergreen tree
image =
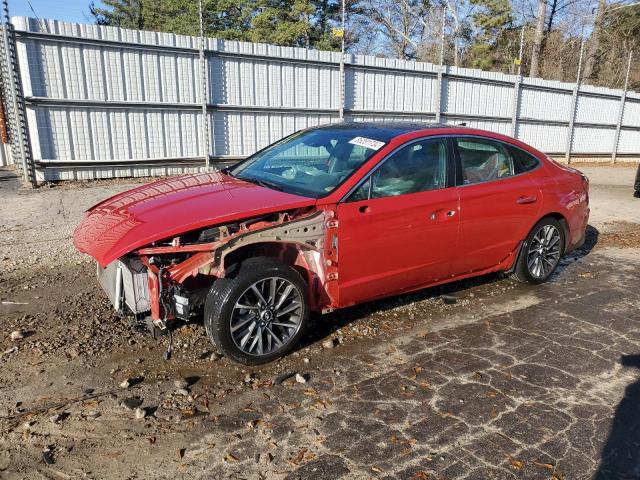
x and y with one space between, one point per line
492 20
301 23
119 13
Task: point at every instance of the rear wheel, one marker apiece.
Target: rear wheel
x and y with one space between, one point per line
259 313
541 252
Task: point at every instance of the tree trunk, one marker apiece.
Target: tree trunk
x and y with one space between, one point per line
140 15
538 38
552 15
590 67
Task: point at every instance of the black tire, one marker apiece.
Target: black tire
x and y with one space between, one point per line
522 271
225 292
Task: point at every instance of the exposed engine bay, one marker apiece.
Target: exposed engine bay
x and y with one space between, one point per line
169 280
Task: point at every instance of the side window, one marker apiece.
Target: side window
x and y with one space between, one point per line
418 167
484 160
523 161
362 193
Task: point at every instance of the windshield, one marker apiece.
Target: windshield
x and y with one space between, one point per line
311 163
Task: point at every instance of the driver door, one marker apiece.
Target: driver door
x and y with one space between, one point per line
399 228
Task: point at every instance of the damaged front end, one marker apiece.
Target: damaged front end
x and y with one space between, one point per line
169 280
125 281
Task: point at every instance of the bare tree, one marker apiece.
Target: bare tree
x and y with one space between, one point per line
398 22
454 7
437 29
538 39
593 45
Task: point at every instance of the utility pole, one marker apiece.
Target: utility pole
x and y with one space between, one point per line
517 88
521 51
342 74
441 68
444 21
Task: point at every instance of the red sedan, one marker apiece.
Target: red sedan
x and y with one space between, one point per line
327 218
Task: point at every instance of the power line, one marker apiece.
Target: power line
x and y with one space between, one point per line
32 9
42 24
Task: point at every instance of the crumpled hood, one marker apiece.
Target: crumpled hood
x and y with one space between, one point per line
165 208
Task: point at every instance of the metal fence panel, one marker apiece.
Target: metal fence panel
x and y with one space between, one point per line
549 138
631 117
557 105
104 101
469 97
593 139
238 134
629 141
492 125
603 110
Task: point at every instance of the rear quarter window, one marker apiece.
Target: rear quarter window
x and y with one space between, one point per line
522 161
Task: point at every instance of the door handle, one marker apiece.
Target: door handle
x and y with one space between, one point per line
526 199
364 209
436 214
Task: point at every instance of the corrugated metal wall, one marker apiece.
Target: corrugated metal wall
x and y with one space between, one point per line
104 101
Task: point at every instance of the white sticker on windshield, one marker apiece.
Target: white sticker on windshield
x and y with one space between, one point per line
367 143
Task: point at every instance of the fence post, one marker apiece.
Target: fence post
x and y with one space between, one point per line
20 141
574 106
7 104
516 106
343 80
204 91
441 69
623 99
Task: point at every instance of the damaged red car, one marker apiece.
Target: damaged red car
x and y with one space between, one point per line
330 217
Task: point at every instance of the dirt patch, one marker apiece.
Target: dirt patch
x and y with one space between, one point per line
621 235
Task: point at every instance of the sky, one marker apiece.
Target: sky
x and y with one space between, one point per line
68 10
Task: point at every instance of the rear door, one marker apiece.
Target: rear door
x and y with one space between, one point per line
399 227
498 204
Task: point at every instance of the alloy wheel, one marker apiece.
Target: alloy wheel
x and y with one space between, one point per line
266 316
544 251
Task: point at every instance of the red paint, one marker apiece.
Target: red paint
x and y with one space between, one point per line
384 245
390 244
165 208
493 221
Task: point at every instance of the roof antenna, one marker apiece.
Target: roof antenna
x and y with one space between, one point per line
463 124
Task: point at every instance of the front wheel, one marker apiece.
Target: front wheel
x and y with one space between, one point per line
541 252
259 313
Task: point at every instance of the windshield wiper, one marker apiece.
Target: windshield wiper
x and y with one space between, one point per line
262 183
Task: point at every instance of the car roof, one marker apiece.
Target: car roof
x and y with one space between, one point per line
383 131
387 131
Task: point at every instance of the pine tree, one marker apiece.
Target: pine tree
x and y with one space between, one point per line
303 23
492 20
119 13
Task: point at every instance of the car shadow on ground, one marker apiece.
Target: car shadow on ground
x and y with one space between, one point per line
620 457
324 325
590 241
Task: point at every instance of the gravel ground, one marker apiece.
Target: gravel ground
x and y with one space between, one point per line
510 381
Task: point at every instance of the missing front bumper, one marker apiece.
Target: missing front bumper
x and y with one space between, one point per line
126 285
